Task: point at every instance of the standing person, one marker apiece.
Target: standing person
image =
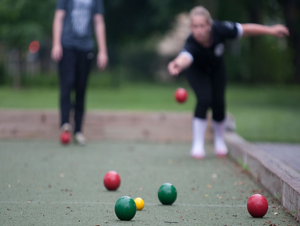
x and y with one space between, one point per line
202 57
73 26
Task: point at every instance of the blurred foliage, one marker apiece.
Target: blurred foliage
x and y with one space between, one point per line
140 62
135 19
3 75
264 59
23 21
265 63
132 25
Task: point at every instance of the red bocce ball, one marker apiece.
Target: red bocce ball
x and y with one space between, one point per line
181 95
257 206
65 137
112 180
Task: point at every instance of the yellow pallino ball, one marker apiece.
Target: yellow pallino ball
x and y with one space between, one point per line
139 203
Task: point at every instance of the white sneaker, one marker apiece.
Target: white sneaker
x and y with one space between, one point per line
199 128
219 142
197 153
66 127
80 139
221 152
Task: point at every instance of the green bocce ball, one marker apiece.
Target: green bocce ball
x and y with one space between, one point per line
167 194
125 208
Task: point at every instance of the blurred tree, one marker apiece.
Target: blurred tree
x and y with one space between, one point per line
132 28
22 22
133 22
291 9
257 59
136 20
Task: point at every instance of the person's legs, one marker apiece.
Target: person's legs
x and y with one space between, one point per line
66 70
201 85
218 107
82 72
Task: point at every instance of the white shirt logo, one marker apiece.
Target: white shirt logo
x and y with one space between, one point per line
219 50
81 14
230 25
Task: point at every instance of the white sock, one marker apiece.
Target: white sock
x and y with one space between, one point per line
199 128
219 142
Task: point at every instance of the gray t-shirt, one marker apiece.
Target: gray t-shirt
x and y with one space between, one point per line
78 22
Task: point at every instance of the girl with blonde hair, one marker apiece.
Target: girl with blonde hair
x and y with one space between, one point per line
202 58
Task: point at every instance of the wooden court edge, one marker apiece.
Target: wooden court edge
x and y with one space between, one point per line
100 125
279 179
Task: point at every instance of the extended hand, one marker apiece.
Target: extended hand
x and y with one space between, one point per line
280 31
174 68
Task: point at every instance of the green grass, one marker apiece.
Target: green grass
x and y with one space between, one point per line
128 97
263 113
266 113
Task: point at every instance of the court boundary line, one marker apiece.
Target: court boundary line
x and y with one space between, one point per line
112 204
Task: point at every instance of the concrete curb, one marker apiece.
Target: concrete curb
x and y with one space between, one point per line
279 179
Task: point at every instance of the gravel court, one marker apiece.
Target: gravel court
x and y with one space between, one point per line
44 183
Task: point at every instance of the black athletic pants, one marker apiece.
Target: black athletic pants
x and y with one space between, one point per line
209 88
74 69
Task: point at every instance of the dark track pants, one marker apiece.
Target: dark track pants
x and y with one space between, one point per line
209 88
74 69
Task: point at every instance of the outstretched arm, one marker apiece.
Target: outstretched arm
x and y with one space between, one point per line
257 29
181 62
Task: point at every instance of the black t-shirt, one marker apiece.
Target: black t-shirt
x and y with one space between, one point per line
78 22
209 59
